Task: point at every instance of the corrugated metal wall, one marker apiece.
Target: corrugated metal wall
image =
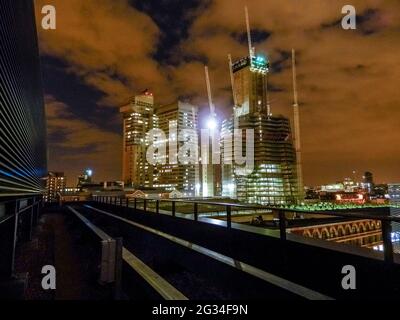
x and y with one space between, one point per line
22 119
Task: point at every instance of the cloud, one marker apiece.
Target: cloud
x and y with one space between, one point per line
108 43
75 145
348 80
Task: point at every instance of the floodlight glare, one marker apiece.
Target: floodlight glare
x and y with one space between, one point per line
212 123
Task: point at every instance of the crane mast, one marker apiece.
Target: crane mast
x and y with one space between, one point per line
297 128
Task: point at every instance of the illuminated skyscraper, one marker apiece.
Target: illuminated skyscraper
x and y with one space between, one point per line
250 83
227 159
55 184
23 160
137 121
274 178
179 122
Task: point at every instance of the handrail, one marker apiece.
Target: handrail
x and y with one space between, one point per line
244 267
353 213
26 208
111 254
158 283
350 213
19 199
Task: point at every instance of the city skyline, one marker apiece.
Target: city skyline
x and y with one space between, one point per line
203 151
354 107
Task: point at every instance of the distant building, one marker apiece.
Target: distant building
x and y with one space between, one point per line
112 185
23 162
55 184
335 187
380 190
85 178
394 193
137 121
74 196
179 122
250 83
350 197
394 198
227 160
368 182
149 193
274 179
350 185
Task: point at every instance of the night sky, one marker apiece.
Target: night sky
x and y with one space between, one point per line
105 51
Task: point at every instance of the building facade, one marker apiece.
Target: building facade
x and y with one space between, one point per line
227 159
394 196
55 185
250 85
137 121
178 121
23 159
274 178
85 178
394 193
368 182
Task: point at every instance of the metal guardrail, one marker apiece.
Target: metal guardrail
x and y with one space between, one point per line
111 255
272 279
384 214
17 218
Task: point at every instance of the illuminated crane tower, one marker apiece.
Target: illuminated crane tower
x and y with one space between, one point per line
297 141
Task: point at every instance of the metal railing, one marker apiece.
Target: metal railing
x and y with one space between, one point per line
17 220
383 214
110 255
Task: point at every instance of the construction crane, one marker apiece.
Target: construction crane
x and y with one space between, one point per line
251 49
297 127
236 107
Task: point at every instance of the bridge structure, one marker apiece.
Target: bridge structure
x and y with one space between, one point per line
148 249
364 233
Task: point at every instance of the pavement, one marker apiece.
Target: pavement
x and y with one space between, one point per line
55 242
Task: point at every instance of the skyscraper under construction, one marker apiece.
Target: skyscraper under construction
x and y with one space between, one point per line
274 178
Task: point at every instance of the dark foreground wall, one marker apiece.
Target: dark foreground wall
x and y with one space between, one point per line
22 120
314 267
